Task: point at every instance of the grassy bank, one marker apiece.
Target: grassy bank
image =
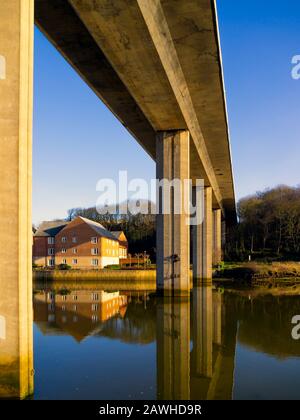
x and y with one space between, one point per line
255 274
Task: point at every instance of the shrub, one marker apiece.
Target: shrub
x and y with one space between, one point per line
64 267
113 267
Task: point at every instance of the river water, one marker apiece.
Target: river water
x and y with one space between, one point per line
109 344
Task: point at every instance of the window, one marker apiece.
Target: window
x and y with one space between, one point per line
75 261
94 240
75 297
63 308
51 263
95 262
95 307
94 318
64 261
64 298
51 318
51 241
50 251
74 250
74 240
63 251
75 308
95 296
95 251
64 239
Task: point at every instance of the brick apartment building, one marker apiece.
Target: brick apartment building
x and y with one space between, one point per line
81 243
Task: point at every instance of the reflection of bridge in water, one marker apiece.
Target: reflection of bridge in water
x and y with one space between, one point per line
206 371
195 338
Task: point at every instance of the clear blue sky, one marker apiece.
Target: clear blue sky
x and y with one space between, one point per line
78 141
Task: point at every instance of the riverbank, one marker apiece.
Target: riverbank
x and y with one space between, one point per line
149 275
256 275
285 274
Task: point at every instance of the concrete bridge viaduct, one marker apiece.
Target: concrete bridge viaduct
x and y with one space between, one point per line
157 65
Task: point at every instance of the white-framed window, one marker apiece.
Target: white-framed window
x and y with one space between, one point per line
95 262
95 307
51 241
95 251
64 261
51 263
94 240
74 239
64 298
50 251
74 251
64 239
63 251
75 297
95 296
94 318
75 261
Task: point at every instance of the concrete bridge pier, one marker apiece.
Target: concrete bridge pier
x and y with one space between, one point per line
203 240
16 92
217 236
173 237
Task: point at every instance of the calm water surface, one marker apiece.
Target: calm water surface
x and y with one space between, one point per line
96 344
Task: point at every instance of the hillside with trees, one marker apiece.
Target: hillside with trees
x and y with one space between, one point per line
268 226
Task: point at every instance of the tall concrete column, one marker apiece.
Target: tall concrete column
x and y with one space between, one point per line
173 238
16 91
217 236
173 349
223 238
202 240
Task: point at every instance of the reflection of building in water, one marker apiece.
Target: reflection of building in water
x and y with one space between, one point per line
16 352
173 349
78 313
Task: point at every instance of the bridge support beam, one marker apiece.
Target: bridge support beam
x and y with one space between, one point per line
173 238
16 50
217 236
202 240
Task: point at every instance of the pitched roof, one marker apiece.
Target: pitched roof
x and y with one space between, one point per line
99 229
118 234
50 228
